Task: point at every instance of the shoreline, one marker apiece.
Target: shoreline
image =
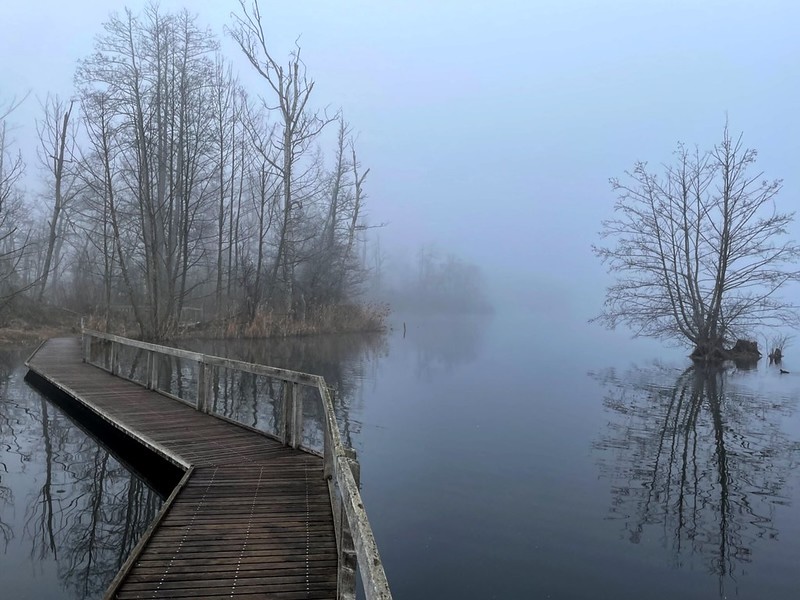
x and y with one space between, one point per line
11 336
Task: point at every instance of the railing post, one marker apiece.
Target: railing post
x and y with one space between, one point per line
148 370
355 467
202 376
288 411
152 370
347 558
209 400
327 453
114 366
292 415
86 342
297 422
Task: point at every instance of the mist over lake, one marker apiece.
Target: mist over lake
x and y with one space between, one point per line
498 231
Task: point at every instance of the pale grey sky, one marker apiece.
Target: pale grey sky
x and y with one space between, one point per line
493 127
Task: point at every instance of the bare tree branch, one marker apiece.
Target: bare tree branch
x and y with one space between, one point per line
697 251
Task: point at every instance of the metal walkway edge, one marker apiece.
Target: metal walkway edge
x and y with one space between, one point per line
251 518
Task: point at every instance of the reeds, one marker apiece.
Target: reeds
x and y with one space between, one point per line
334 318
340 318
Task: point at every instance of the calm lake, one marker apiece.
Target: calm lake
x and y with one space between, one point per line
502 457
70 513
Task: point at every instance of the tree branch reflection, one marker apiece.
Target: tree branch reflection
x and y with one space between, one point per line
695 464
442 344
345 361
90 510
11 415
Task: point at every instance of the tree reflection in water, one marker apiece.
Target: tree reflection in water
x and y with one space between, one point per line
12 449
343 360
83 510
90 510
696 464
444 343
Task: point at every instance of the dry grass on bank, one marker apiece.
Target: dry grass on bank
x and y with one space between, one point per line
345 318
17 333
31 323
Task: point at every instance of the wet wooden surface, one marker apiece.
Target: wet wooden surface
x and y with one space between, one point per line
254 518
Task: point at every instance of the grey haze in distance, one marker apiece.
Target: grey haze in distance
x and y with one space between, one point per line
492 128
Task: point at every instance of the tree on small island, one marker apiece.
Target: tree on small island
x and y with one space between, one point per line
699 251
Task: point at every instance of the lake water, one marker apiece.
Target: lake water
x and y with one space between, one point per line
516 457
70 513
522 457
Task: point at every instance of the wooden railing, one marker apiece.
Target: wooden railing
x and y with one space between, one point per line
191 378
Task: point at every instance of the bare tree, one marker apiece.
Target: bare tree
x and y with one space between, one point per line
56 151
225 118
335 270
14 239
324 266
185 190
101 219
699 252
355 213
264 194
155 70
298 125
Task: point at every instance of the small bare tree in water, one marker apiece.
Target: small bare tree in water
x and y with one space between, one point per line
699 251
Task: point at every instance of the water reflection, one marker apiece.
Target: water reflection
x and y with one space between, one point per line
11 449
345 361
695 465
444 343
69 509
338 358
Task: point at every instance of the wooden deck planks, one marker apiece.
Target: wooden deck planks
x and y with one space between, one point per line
254 518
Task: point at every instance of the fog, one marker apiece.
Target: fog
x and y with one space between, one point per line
491 129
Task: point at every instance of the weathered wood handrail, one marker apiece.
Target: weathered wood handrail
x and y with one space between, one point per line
354 537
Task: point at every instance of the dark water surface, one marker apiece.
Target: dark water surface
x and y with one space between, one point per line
504 457
523 458
70 513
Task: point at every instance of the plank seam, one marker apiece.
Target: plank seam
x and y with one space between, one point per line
185 534
247 532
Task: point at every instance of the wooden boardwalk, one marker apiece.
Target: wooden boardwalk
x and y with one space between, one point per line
251 519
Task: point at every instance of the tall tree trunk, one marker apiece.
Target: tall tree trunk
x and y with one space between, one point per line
57 146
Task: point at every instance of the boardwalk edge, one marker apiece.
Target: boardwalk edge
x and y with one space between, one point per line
145 539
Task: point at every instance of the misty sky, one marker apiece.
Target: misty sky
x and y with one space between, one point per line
492 127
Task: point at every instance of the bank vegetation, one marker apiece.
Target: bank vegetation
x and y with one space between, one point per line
172 197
